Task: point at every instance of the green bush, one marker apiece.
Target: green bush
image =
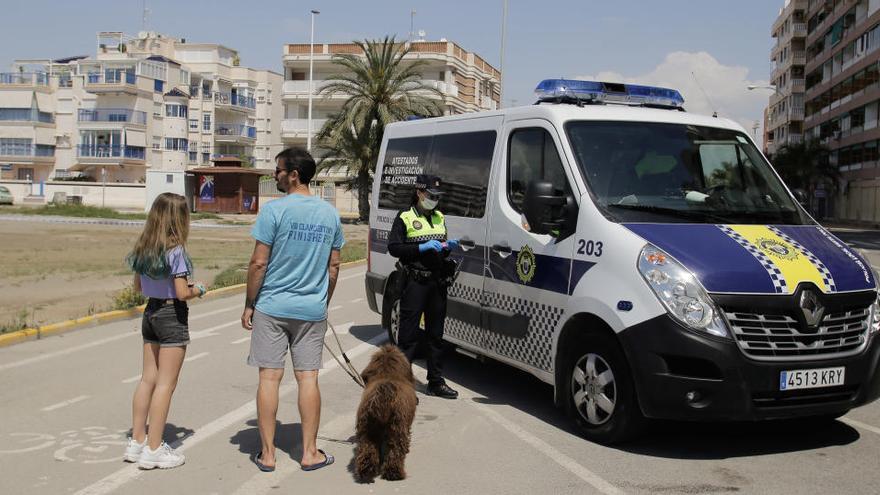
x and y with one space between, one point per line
128 298
20 322
233 275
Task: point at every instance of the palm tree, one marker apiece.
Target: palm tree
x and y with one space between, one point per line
805 166
381 88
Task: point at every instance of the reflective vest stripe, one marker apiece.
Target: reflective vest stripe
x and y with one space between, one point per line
418 229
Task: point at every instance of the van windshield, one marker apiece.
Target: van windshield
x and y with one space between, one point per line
660 172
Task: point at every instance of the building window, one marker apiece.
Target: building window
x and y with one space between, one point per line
206 157
176 144
169 179
194 124
206 122
193 156
174 110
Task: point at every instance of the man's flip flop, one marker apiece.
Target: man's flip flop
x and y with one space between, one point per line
328 459
255 458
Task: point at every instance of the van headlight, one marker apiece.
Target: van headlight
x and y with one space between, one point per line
680 292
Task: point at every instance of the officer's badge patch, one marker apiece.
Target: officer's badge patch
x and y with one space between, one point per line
417 225
525 264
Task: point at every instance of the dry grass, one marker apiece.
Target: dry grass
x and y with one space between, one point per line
52 272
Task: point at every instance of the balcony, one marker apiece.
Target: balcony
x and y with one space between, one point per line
27 153
111 82
300 89
234 132
25 115
299 128
17 80
799 58
487 103
113 115
99 153
798 86
233 101
799 30
448 89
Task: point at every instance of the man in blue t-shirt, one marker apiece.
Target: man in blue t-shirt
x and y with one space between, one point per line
290 281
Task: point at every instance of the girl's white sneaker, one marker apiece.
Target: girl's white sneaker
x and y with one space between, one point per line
133 450
163 457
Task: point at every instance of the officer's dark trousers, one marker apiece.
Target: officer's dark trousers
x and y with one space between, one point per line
428 297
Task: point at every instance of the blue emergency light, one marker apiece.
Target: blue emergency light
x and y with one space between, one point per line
601 92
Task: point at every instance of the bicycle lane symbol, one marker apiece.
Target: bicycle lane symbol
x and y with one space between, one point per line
89 445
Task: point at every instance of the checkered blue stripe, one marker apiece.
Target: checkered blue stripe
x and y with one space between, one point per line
827 279
779 284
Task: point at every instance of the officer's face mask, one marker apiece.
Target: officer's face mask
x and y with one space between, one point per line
429 201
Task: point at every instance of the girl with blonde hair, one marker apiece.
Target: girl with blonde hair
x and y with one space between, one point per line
162 269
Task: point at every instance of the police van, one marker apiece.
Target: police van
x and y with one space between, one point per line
644 261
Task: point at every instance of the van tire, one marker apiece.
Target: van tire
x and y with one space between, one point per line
394 322
598 378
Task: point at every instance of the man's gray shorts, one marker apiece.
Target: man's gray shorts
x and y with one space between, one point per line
272 337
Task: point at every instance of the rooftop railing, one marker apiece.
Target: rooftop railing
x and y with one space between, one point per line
24 78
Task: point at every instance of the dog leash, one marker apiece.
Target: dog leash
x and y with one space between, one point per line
348 366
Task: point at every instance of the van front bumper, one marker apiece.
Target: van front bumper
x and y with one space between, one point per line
668 362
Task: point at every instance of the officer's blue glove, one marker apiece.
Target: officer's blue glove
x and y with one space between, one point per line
432 245
452 243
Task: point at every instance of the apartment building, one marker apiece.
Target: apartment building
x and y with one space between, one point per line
467 82
144 102
785 112
841 100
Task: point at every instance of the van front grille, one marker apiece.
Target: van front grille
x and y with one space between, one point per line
779 337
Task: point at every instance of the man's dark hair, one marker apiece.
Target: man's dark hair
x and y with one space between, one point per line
300 160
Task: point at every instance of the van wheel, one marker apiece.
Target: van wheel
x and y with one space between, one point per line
394 322
599 390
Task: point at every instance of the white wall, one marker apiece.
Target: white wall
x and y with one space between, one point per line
114 195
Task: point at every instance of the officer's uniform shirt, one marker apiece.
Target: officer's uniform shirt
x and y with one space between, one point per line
410 229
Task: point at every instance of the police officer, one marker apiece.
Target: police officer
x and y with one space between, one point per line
418 240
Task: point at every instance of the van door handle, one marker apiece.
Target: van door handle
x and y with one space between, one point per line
466 244
501 250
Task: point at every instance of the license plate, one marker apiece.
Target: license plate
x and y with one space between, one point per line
817 378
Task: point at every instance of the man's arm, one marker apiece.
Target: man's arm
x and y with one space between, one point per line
256 273
333 270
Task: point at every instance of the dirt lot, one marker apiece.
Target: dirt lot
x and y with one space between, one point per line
51 271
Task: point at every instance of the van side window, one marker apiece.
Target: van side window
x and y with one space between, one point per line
462 161
404 159
532 157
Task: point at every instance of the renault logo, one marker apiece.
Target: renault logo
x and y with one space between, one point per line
812 308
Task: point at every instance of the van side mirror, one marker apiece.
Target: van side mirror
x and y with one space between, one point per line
544 208
801 197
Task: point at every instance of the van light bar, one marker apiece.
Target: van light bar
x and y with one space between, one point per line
600 92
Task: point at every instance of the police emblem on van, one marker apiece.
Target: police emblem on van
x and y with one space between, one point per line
777 249
525 264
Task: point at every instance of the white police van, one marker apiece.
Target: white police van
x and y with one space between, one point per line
646 262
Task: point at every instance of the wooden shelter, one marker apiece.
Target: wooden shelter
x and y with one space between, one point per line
226 187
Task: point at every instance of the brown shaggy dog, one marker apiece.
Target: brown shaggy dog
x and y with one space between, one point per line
385 416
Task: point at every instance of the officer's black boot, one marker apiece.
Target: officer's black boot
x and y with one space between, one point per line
442 390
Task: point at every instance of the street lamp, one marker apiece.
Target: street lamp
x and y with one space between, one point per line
501 66
311 83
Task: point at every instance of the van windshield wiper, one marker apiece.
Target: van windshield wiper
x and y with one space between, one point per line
690 215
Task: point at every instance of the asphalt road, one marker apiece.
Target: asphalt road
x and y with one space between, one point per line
65 411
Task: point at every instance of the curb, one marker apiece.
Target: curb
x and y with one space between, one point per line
36 333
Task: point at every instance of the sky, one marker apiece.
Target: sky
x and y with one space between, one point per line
717 45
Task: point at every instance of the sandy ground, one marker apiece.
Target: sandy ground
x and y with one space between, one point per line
52 272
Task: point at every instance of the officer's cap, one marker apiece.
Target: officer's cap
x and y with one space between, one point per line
430 183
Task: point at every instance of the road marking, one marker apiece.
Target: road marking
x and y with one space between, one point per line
209 332
212 313
335 308
357 300
541 446
239 341
132 379
65 403
43 357
344 328
353 275
197 356
861 425
264 483
114 481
